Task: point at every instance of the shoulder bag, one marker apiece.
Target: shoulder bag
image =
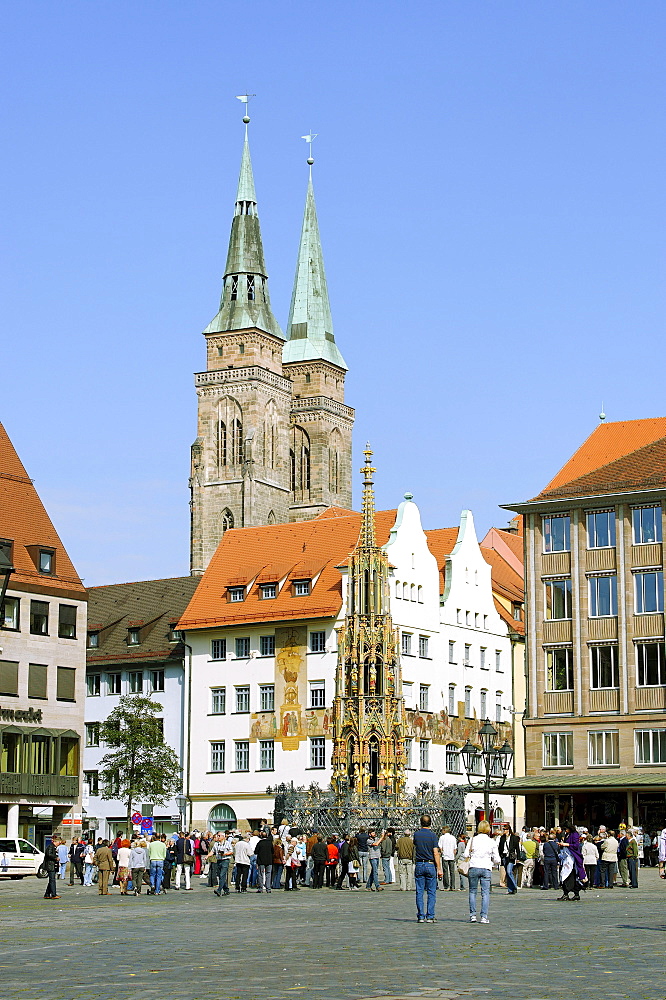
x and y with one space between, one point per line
463 863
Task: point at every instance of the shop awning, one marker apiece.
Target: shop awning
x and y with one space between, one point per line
584 782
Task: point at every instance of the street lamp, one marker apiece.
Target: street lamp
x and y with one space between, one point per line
180 801
497 761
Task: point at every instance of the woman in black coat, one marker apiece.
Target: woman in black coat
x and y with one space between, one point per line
319 856
509 846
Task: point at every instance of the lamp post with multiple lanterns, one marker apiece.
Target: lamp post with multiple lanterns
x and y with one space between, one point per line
496 761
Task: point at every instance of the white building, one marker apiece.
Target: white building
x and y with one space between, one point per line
264 618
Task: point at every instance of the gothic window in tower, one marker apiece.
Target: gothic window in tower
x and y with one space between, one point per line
229 433
227 519
299 458
334 449
373 749
234 287
271 517
270 435
221 443
236 451
250 288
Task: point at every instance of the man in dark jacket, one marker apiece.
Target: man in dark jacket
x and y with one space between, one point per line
184 849
76 853
264 853
363 854
319 857
551 850
51 864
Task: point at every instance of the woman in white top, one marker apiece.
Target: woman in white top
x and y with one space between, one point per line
483 854
89 864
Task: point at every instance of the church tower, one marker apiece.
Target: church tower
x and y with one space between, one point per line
368 709
240 468
321 424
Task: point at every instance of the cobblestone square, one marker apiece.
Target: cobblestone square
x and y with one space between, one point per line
328 944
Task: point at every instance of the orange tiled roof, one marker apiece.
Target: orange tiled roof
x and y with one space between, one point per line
625 455
441 542
504 577
24 520
514 625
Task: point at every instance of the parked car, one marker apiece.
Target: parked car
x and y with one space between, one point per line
19 858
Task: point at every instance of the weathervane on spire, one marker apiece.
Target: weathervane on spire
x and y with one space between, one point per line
602 415
245 99
310 139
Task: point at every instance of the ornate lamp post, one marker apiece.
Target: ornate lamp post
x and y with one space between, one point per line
496 760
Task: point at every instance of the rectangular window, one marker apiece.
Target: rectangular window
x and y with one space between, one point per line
217 757
317 642
136 681
558 599
604 667
114 683
409 746
477 764
317 694
93 640
9 677
408 694
242 648
556 533
452 652
45 561
317 751
604 748
218 649
649 592
468 618
452 699
482 658
558 750
9 613
67 621
267 697
93 685
301 588
267 645
484 704
452 759
157 680
603 596
218 701
423 697
266 755
651 661
39 618
38 755
498 660
92 734
424 755
498 706
66 684
468 703
476 620
559 670
133 636
92 780
647 524
650 746
468 656
242 755
600 529
458 616
406 646
243 699
423 646
268 591
236 594
38 681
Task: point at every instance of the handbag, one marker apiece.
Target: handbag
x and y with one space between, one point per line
521 857
464 863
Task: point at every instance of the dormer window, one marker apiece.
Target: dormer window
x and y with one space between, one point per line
236 594
133 636
93 640
268 591
46 561
302 588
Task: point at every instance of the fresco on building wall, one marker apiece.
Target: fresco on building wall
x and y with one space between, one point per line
290 723
290 687
442 728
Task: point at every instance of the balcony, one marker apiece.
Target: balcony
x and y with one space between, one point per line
649 554
557 630
651 699
605 700
51 785
558 702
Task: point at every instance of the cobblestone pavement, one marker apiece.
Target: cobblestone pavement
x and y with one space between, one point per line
329 945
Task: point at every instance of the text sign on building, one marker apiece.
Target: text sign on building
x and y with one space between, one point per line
20 715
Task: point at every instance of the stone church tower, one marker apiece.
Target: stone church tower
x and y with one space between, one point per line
274 435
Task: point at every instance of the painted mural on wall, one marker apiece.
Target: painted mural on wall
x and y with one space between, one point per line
290 686
442 728
291 723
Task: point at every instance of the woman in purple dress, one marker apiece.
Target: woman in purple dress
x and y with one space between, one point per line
573 873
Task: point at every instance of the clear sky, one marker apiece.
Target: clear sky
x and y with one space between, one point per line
490 187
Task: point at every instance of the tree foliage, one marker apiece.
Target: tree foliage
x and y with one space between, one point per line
140 766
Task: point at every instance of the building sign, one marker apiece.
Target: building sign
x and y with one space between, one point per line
20 715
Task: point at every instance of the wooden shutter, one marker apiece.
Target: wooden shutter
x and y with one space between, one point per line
8 677
66 689
37 679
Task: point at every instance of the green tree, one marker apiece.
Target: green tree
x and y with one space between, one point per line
140 766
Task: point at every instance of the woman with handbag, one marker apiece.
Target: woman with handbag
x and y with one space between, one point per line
509 846
480 855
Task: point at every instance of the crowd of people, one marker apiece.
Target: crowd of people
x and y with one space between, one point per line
280 857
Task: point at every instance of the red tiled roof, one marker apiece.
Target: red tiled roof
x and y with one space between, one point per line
24 520
626 455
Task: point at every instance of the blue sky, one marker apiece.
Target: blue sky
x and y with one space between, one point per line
490 188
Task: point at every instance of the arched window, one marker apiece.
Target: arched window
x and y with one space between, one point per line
270 435
221 443
229 432
236 450
334 450
221 818
405 591
271 517
227 519
420 594
398 589
413 590
299 458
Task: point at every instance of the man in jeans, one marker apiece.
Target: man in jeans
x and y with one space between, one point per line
427 869
374 854
362 841
224 852
157 854
447 847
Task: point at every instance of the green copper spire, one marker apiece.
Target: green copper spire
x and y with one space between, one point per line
245 302
310 326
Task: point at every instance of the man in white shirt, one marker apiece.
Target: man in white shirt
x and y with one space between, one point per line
447 845
242 859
